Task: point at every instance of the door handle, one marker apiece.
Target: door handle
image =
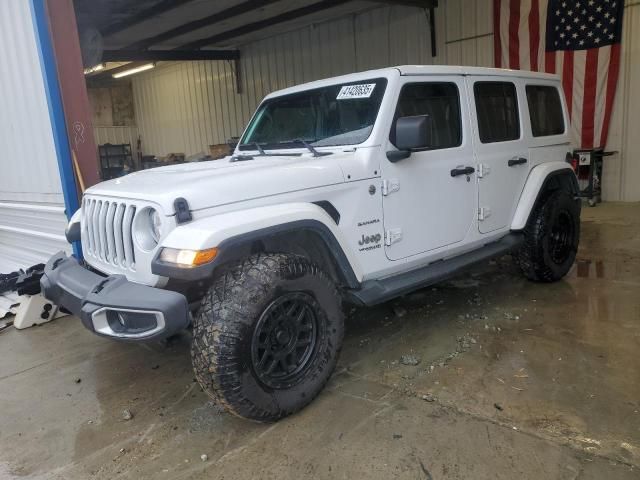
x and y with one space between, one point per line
462 171
516 161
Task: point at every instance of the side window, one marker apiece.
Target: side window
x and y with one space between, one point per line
545 110
441 101
497 111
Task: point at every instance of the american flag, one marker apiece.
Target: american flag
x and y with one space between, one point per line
579 40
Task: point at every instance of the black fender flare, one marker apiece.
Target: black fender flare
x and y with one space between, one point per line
244 244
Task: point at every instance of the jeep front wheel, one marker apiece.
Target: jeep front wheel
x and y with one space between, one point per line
551 238
267 336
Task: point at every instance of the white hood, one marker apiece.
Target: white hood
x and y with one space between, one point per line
220 182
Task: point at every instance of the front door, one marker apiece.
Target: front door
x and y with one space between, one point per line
501 149
428 200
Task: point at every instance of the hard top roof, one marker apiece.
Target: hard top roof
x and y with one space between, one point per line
416 70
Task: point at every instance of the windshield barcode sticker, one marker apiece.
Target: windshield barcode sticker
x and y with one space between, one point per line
356 91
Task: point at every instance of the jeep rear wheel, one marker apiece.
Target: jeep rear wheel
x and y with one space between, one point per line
551 240
267 336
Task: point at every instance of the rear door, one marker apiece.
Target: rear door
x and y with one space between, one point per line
501 148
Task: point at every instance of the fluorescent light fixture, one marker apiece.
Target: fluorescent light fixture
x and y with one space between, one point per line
133 70
95 68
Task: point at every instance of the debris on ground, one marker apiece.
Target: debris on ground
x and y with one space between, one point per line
409 359
399 311
204 457
6 325
429 397
78 380
126 414
396 436
497 406
464 343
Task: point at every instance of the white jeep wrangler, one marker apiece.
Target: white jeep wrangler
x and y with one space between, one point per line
355 189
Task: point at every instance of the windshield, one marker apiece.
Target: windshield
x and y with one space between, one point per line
341 114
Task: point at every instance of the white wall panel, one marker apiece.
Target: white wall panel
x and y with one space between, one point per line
30 233
32 216
185 107
29 165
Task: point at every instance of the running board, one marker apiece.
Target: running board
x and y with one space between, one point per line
374 292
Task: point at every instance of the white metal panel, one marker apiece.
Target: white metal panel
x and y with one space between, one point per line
9 303
29 165
185 107
30 233
31 205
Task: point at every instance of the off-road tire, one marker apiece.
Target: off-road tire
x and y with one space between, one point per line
537 258
232 309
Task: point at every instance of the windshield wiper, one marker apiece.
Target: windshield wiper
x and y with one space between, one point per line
242 158
309 147
261 153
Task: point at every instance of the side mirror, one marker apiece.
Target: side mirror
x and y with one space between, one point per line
412 133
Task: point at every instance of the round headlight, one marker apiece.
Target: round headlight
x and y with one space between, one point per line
147 227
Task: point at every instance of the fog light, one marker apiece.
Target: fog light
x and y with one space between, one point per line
131 322
187 258
126 323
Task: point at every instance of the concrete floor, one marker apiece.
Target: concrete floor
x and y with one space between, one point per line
515 380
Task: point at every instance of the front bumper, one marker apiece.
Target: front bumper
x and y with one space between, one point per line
113 306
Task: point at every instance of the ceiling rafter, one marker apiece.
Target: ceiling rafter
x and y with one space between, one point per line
221 16
261 24
126 55
158 9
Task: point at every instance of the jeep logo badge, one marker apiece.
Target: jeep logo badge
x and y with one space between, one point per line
366 239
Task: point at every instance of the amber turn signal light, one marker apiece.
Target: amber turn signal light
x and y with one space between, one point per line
188 258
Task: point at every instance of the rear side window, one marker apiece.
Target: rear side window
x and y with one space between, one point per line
497 110
545 110
438 100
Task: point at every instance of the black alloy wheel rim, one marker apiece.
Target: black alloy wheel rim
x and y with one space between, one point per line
284 340
562 237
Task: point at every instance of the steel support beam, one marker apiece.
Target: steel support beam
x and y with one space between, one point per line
168 55
213 19
157 9
259 25
75 100
428 4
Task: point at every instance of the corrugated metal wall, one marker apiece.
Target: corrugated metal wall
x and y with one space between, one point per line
185 107
31 206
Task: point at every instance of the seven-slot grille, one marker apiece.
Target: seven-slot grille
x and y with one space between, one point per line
108 235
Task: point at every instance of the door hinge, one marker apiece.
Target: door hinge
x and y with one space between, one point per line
390 186
484 213
392 236
483 170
